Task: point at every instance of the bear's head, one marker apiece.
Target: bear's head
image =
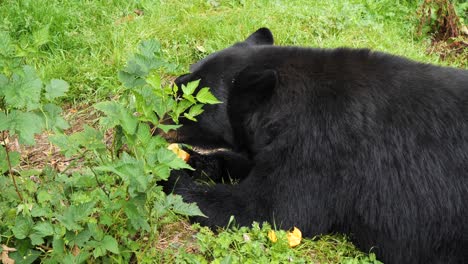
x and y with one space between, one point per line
239 83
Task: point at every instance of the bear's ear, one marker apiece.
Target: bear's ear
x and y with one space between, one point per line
262 36
256 83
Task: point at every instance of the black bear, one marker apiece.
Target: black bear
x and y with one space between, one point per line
342 140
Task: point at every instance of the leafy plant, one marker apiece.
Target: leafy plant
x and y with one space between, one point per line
110 204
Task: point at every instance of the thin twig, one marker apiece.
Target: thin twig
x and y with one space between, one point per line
10 168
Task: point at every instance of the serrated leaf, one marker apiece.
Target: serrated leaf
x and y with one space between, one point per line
3 83
110 244
132 75
190 87
144 133
148 48
41 36
24 124
166 156
67 146
135 216
23 90
6 47
56 88
190 117
117 114
23 227
180 207
44 229
196 110
206 97
52 117
167 128
154 80
75 214
89 138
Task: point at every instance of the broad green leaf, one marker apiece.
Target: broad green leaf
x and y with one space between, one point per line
206 97
168 157
44 229
41 36
190 87
6 47
3 83
3 160
154 80
56 88
75 214
24 124
135 213
196 110
23 90
117 114
36 239
132 76
23 227
110 244
52 117
143 133
78 238
58 245
190 117
89 138
15 158
67 145
167 128
180 207
149 48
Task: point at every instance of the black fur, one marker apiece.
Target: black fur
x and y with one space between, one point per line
352 141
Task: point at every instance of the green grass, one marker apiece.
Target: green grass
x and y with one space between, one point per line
88 41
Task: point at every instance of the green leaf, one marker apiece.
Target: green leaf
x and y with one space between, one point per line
24 124
132 75
110 244
196 110
190 88
206 97
154 80
135 213
149 48
78 238
23 90
75 214
3 83
67 145
167 128
180 207
44 229
41 37
89 138
23 227
117 114
4 166
6 47
52 117
56 88
168 157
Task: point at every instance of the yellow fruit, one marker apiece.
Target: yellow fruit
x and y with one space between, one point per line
179 152
272 236
294 237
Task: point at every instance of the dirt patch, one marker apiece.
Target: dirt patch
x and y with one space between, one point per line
43 153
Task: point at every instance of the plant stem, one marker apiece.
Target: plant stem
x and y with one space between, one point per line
10 168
